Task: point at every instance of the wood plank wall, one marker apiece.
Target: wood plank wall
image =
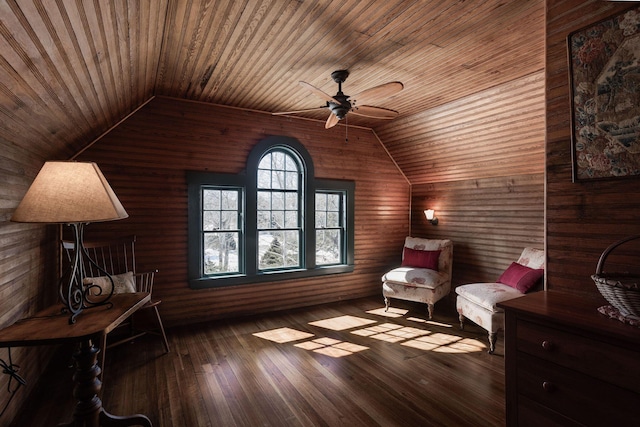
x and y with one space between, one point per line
28 275
146 158
479 162
489 221
69 71
582 218
494 132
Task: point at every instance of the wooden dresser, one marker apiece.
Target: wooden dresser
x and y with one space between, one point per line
568 365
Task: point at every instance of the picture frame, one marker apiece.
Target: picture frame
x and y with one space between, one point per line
604 74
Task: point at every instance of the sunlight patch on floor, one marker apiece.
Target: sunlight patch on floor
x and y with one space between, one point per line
283 335
445 343
465 345
423 337
390 332
392 312
341 323
331 347
429 322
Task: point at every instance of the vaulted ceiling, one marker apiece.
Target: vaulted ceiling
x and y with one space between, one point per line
73 69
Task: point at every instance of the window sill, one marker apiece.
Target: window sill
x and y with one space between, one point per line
271 276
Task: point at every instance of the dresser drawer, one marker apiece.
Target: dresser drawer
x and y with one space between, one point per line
579 397
609 363
533 414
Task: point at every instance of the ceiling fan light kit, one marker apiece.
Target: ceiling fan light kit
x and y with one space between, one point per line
340 104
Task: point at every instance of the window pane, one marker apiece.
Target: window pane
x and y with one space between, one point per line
271 251
292 181
291 164
229 220
291 219
328 247
277 180
321 219
220 253
329 228
264 179
265 163
277 200
292 248
264 220
333 220
264 200
210 220
211 199
277 219
279 249
333 202
291 201
278 160
229 200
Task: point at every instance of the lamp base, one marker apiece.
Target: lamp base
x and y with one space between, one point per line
74 293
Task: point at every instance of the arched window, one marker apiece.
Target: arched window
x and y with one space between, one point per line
279 210
274 221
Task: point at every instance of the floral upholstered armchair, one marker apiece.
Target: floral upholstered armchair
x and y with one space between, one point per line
424 275
478 301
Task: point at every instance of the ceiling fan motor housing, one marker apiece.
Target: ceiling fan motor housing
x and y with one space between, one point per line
340 110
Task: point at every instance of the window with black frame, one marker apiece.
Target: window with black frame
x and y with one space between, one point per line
279 212
274 221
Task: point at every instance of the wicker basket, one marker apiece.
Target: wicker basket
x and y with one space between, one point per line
621 290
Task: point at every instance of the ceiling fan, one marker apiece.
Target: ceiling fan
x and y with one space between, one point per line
341 104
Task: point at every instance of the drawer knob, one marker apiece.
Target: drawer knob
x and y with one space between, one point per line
548 387
547 345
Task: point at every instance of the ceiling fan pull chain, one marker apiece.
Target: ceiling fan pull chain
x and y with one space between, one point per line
346 130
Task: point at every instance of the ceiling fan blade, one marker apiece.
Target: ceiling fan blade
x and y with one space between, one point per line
331 121
377 92
374 112
319 93
307 110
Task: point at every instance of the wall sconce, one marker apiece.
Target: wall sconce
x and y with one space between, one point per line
73 193
430 214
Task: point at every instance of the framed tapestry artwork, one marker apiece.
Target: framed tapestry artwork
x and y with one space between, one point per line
604 69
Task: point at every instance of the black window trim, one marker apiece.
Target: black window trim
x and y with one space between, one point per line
197 179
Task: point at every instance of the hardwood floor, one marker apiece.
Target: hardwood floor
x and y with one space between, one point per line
344 364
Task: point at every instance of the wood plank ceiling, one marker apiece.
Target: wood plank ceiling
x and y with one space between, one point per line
72 69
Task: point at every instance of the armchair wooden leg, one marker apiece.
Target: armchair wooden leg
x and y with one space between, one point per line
461 319
386 304
430 308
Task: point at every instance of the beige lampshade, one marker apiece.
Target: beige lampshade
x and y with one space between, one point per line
69 192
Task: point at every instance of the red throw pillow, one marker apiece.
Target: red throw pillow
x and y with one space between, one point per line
420 259
520 277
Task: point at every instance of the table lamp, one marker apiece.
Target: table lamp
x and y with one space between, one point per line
72 193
